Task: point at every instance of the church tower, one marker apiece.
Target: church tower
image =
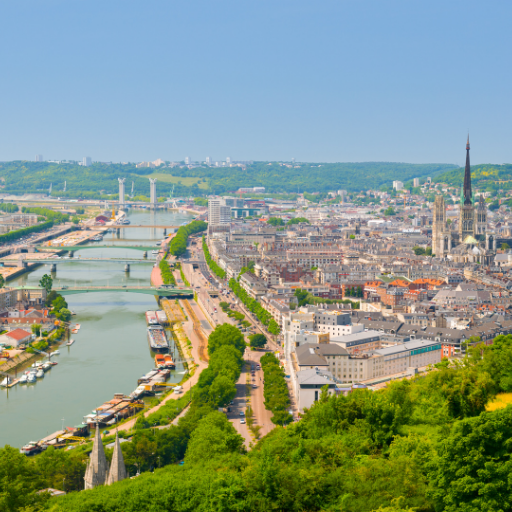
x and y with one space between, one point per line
97 468
439 228
481 217
467 208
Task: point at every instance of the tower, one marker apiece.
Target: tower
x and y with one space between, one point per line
121 190
481 217
152 191
467 208
439 228
97 468
117 467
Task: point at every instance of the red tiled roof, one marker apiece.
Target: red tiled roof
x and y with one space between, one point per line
18 334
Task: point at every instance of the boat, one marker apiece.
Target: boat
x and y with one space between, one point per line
23 379
162 317
155 252
31 448
158 243
6 382
56 353
31 377
47 366
157 338
73 313
74 331
125 221
169 363
77 326
98 238
70 342
54 363
160 361
40 373
151 318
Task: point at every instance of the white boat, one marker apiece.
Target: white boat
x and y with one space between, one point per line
56 353
70 342
155 252
47 366
5 382
31 377
40 373
23 379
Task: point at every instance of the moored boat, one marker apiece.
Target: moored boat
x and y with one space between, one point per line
169 363
40 373
31 377
159 361
23 379
162 317
157 338
56 353
6 382
151 318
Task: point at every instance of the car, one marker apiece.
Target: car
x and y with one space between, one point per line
242 413
231 403
242 421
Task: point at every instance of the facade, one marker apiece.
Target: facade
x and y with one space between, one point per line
39 158
86 161
310 384
218 213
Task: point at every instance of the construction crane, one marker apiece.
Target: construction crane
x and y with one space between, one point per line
132 190
64 187
172 192
50 189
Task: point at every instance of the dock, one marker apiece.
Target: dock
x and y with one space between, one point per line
173 311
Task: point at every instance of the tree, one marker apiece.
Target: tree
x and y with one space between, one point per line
257 340
352 237
2 281
275 221
389 211
75 220
222 390
46 282
64 314
36 329
505 246
59 303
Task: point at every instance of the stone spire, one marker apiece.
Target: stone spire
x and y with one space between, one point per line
117 467
97 468
467 193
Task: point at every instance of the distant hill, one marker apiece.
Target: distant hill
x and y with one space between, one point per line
100 180
484 178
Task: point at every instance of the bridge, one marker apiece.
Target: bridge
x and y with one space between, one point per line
122 226
162 291
78 260
73 248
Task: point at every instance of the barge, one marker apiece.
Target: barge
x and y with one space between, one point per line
157 338
151 318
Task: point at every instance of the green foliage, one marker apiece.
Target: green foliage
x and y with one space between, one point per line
75 220
178 245
352 237
389 211
64 314
275 390
212 264
419 251
46 282
298 220
257 340
36 329
166 272
50 215
304 298
59 303
505 246
254 307
8 207
201 201
275 221
20 233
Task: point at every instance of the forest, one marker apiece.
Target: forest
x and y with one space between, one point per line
100 179
434 443
484 177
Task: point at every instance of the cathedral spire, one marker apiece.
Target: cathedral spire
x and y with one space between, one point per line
467 194
97 468
117 467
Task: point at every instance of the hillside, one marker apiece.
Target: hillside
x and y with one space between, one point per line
484 177
99 180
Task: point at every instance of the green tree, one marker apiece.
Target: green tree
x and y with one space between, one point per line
275 221
36 329
59 303
2 281
257 340
222 390
64 314
46 282
389 211
505 246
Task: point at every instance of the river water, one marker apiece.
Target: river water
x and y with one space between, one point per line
111 350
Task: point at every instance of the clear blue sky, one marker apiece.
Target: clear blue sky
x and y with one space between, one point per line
318 80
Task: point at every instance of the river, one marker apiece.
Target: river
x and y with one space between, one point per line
111 350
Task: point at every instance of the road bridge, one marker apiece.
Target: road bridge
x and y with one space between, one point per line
73 248
161 291
78 260
123 226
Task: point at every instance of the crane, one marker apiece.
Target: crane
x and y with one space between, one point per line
132 190
64 187
172 192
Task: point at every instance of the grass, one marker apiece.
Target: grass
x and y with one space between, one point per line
185 181
501 401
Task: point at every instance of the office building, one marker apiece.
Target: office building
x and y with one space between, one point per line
39 158
86 161
416 182
218 213
228 160
398 185
187 160
208 160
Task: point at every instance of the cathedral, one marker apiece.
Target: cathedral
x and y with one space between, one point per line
468 241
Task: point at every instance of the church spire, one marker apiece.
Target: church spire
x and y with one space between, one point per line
467 194
97 468
117 467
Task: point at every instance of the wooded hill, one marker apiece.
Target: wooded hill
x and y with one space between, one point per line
485 177
100 180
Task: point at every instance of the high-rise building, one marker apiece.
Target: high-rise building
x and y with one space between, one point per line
218 212
416 182
121 190
39 158
208 160
187 160
152 191
228 160
398 185
86 161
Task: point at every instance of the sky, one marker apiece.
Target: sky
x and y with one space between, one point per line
314 80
